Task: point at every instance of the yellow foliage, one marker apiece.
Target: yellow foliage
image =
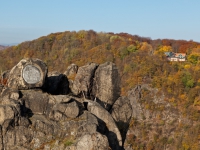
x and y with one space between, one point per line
163 49
183 97
146 46
186 146
197 101
187 66
196 50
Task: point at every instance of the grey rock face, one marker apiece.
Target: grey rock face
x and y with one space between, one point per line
122 114
134 96
122 110
7 113
27 74
32 118
92 141
113 133
106 86
84 79
36 102
71 73
65 110
10 93
56 99
57 84
71 70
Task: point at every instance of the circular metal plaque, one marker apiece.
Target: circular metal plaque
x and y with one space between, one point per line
31 74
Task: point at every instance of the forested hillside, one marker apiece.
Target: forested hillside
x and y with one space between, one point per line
139 60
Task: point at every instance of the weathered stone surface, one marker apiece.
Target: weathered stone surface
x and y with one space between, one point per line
84 80
27 74
20 136
6 113
71 74
122 110
85 123
71 70
33 119
122 114
65 110
10 93
134 95
113 134
36 102
56 99
91 125
106 86
92 141
5 75
42 124
57 83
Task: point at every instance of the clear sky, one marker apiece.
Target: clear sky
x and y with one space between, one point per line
24 20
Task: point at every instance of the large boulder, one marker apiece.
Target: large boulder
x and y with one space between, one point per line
37 113
6 113
134 96
106 85
71 71
122 114
84 80
27 74
65 110
113 133
35 102
10 93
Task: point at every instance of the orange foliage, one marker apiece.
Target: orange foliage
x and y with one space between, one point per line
3 82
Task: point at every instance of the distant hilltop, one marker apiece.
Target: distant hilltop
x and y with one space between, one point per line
2 47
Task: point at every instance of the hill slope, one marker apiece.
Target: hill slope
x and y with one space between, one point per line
141 61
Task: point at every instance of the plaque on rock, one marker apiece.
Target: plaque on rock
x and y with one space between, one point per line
31 74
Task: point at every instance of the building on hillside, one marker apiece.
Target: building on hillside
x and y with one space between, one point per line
171 56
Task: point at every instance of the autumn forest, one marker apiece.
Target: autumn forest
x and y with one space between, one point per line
140 60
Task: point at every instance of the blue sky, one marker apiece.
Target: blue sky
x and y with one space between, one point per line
25 20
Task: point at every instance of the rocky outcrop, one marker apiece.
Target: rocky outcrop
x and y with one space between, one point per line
71 70
84 80
27 74
71 73
113 132
122 113
64 110
40 112
10 93
106 85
